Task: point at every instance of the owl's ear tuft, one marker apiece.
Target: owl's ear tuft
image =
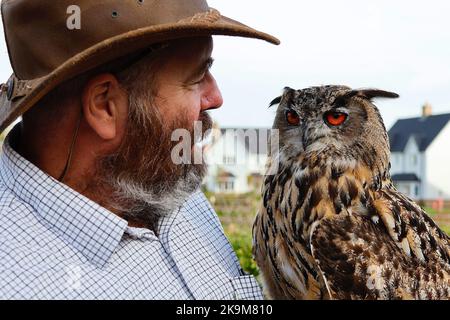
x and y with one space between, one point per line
288 94
375 93
275 101
368 94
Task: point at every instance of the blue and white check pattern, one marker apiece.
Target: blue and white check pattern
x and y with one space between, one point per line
57 244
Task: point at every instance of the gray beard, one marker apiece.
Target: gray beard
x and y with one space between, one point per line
143 182
149 204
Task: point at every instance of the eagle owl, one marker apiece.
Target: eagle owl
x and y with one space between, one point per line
331 224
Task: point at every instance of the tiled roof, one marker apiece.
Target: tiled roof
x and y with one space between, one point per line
424 130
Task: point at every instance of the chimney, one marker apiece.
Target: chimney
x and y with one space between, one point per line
427 110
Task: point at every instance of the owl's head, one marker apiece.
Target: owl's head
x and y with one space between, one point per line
334 123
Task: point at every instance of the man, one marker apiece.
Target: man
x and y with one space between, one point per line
92 204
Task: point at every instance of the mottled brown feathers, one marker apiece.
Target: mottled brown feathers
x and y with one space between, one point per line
331 223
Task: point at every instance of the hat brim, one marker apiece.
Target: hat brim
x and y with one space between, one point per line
117 47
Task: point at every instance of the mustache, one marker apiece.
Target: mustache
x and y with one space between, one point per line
207 122
204 122
204 118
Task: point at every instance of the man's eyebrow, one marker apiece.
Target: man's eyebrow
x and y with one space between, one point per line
202 68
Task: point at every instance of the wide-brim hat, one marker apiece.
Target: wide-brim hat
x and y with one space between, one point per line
51 41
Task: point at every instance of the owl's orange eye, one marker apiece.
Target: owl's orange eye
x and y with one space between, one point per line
292 118
334 118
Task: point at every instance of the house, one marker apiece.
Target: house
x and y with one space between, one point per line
236 160
420 156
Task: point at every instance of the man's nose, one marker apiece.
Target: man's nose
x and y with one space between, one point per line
212 98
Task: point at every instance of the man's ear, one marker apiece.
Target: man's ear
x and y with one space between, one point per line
104 103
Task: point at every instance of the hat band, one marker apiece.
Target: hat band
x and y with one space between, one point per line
15 88
210 16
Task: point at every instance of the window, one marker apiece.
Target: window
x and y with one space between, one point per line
416 190
414 160
229 160
226 186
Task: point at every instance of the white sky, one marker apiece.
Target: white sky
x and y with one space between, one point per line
402 46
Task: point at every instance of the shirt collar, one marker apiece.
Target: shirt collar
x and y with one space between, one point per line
91 229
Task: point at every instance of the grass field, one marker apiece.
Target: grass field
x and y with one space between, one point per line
237 213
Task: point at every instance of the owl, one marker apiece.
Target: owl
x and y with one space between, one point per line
332 224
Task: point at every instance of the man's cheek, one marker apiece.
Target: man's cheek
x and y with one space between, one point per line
193 108
193 117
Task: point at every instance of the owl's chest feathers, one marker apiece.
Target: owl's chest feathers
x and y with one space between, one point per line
297 198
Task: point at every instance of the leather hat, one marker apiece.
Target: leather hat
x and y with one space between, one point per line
51 41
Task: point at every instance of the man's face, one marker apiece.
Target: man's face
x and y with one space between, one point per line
147 183
184 83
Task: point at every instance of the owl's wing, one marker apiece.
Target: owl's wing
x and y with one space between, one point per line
263 241
286 268
411 228
360 260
